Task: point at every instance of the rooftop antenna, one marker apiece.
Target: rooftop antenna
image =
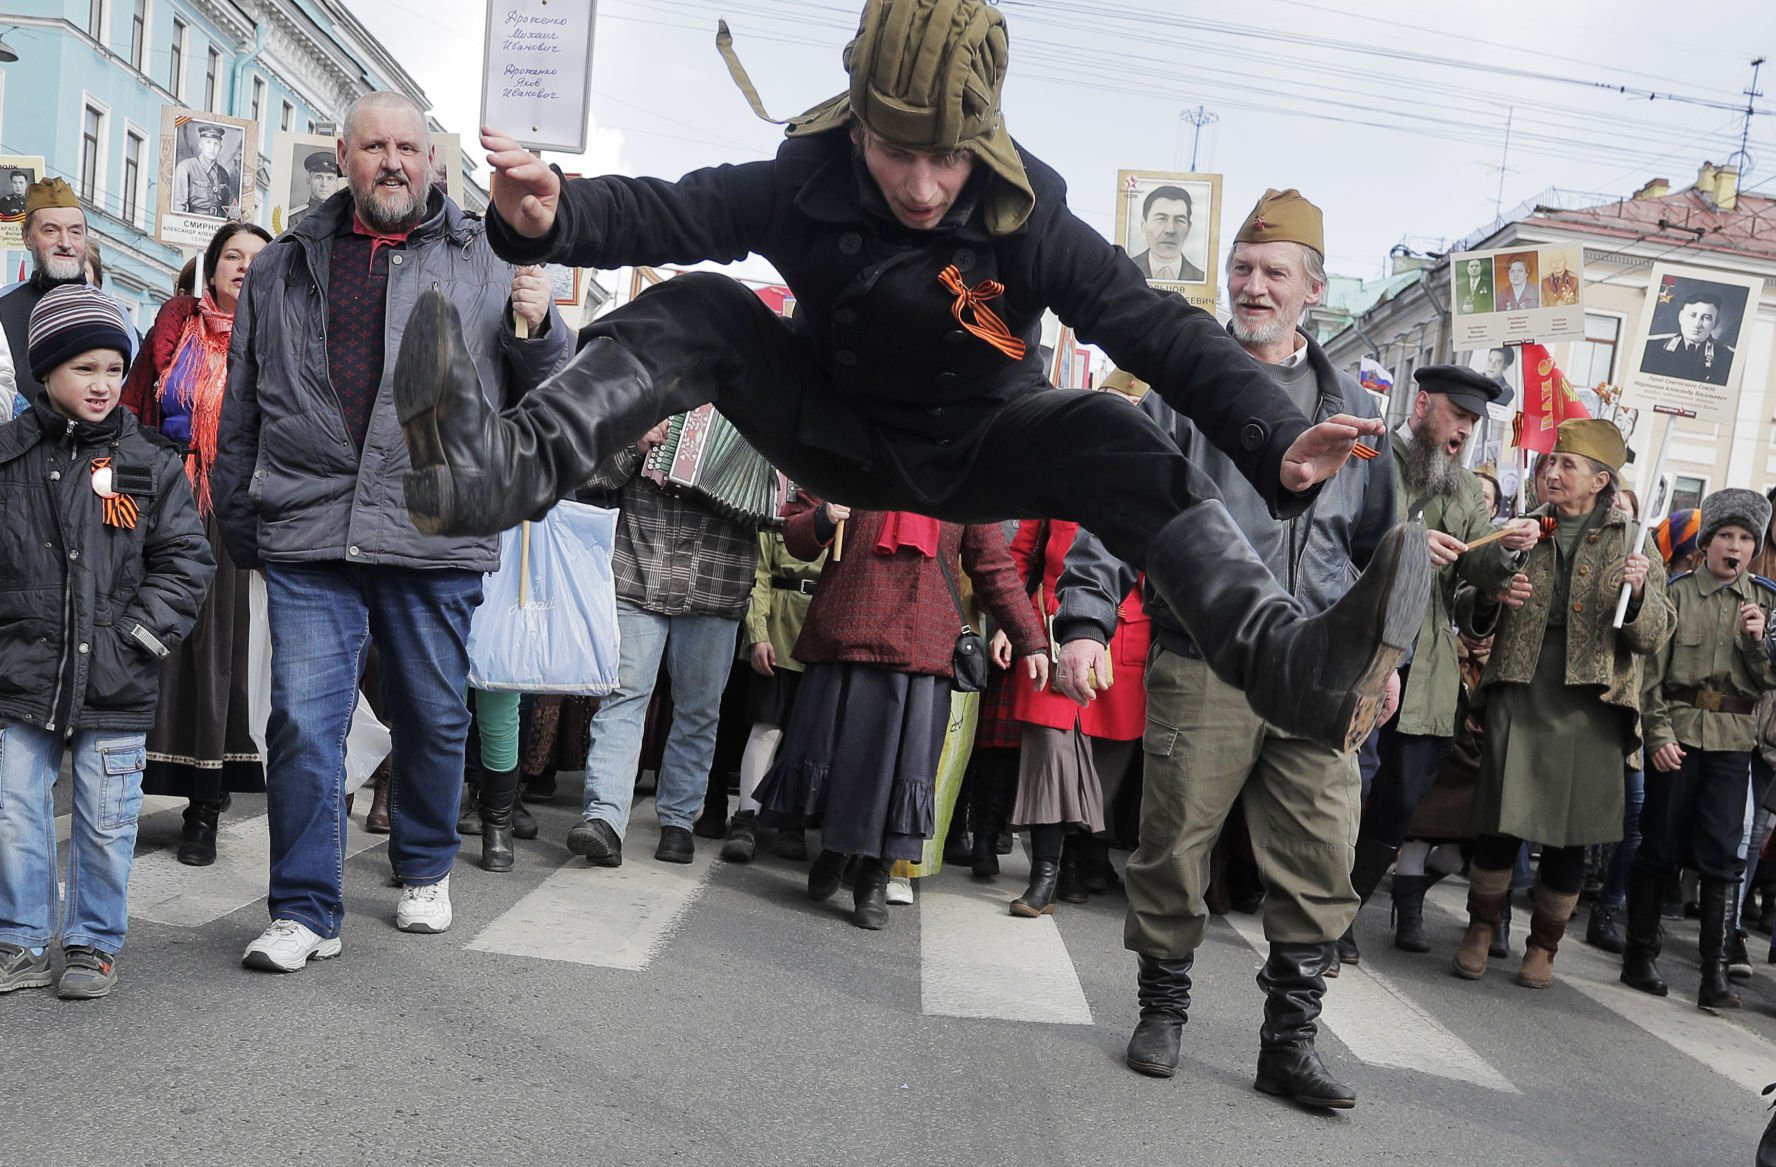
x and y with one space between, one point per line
1742 158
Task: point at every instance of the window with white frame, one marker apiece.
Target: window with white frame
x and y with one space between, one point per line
176 72
212 71
92 148
138 45
258 97
1594 358
95 20
134 148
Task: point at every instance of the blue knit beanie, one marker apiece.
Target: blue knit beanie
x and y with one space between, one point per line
72 319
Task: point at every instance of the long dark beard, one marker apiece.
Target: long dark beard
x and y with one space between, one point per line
1429 470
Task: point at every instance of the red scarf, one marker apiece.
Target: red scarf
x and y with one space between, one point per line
905 529
198 377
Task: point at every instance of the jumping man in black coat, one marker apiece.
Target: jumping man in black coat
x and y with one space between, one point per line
923 246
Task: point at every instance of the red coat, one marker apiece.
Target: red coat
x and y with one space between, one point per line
1120 712
896 611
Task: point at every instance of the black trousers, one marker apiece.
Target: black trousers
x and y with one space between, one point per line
1561 870
1409 767
1694 816
1048 453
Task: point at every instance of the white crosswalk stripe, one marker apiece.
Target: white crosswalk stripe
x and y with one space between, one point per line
1382 1026
611 917
978 960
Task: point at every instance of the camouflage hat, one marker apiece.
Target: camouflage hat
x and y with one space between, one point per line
1284 216
1593 438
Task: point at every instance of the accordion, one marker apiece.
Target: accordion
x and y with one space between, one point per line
704 455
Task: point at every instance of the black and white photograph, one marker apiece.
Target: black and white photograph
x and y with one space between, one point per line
1170 225
17 173
304 174
1695 330
204 182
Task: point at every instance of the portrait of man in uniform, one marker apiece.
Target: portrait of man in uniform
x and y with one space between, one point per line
12 197
1695 328
1560 287
1515 282
206 177
318 180
1473 287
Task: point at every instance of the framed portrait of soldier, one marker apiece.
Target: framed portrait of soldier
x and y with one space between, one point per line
1170 225
17 173
1517 295
208 175
304 174
1688 354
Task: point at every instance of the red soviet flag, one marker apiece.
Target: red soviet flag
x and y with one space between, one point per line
1548 400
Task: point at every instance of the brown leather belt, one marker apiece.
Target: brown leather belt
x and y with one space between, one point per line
1710 700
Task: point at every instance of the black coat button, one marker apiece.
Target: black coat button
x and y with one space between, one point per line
936 411
844 316
850 243
964 259
845 357
945 379
1253 436
956 336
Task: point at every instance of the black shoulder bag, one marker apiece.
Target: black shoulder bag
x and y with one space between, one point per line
969 660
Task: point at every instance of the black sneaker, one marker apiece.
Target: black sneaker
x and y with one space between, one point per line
22 969
597 840
86 973
676 845
742 838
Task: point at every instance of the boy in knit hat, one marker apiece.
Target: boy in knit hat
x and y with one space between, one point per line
105 565
1700 693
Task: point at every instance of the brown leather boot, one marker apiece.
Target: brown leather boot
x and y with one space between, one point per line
1547 924
377 821
1487 890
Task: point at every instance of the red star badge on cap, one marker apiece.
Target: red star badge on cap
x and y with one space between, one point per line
1258 222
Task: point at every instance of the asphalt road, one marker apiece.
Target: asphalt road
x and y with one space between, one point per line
713 1015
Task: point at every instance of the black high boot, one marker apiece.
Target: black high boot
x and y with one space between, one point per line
477 472
1069 881
1717 902
1163 987
197 839
1322 677
1372 862
1294 980
1039 898
990 796
1409 913
499 790
1640 953
869 895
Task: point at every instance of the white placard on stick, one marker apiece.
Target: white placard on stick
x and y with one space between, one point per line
537 74
1687 356
1513 295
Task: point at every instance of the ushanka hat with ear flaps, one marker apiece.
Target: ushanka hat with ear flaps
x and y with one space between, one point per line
1738 508
925 76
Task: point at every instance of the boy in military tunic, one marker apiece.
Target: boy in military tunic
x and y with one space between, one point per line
1700 693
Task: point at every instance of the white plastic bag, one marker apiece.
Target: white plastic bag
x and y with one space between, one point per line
548 620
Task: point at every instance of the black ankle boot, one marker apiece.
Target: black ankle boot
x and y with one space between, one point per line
985 859
1602 930
1293 980
1039 898
476 472
824 875
499 791
742 840
1163 987
1409 913
197 839
1500 947
1069 880
1716 991
1640 950
869 895
1323 677
524 824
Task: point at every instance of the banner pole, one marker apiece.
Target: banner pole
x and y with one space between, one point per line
1654 504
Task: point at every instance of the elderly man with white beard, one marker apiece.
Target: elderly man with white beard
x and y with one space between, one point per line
1204 746
1428 454
55 235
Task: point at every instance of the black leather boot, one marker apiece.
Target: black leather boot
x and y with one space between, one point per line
1372 862
824 874
1322 677
1163 987
1640 952
468 816
524 824
1039 898
1070 880
1293 980
1716 991
499 791
984 859
1501 936
869 895
1602 930
1409 913
742 840
197 839
477 472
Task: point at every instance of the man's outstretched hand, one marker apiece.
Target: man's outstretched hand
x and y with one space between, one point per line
525 191
1318 453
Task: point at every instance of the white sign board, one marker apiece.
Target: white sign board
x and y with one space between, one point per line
1687 356
537 75
1516 295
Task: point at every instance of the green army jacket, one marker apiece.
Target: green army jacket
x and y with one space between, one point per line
1707 651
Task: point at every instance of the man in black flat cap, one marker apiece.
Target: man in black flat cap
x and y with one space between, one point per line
1428 457
323 179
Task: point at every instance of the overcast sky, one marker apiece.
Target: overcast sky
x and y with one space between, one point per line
1391 115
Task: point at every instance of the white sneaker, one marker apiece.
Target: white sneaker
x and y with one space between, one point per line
900 889
424 909
287 946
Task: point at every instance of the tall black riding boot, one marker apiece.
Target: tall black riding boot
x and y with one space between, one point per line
197 839
1163 987
1409 913
477 472
869 895
990 796
499 790
1294 980
1717 904
1640 953
1322 677
1372 862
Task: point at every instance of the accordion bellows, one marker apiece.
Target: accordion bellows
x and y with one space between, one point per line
704 454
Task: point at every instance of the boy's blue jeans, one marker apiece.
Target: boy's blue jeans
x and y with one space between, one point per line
101 843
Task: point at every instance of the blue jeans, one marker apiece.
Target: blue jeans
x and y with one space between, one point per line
322 615
1615 880
699 652
107 797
